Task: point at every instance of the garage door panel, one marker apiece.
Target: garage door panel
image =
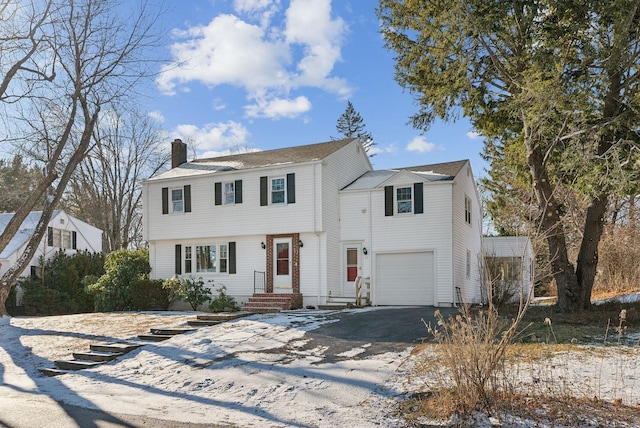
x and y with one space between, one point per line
405 278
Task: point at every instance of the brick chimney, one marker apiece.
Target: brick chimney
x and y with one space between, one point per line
178 152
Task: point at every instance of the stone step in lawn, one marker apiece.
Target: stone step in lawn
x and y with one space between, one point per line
171 331
51 371
202 323
122 347
223 316
155 337
96 356
75 364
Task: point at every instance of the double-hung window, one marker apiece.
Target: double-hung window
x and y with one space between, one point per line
223 258
404 201
188 256
277 190
467 210
229 193
177 201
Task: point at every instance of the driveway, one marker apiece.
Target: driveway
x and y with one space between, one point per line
373 331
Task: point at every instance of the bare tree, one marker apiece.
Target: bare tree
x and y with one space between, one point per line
67 61
106 189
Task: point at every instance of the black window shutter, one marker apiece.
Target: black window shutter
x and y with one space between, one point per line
264 192
238 186
418 195
187 198
232 258
178 259
50 236
291 188
218 193
388 201
165 200
74 240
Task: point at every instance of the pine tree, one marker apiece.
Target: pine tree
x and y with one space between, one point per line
351 125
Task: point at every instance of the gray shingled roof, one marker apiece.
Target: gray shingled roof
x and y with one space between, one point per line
450 169
436 172
289 155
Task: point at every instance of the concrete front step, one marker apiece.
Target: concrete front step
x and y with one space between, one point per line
96 356
75 364
122 347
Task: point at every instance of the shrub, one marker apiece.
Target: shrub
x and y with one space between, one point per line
125 270
188 289
472 354
62 290
223 302
149 294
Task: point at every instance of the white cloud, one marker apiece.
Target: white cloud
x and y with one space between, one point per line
279 107
157 116
267 59
227 51
420 145
218 137
474 135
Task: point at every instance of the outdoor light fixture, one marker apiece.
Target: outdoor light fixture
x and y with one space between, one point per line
262 245
364 250
300 244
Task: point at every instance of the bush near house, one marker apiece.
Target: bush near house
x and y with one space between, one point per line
125 284
188 289
60 287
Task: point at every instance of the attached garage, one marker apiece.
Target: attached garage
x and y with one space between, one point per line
405 278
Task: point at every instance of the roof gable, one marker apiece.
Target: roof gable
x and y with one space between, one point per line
25 230
428 173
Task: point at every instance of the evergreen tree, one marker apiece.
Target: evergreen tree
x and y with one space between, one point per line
351 125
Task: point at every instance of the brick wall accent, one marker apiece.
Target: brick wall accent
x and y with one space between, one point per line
295 262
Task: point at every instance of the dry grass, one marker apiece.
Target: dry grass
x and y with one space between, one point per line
534 380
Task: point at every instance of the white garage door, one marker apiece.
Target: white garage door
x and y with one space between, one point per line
404 278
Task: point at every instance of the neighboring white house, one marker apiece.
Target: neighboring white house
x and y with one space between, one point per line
64 232
311 221
509 265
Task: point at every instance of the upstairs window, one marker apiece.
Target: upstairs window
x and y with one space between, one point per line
229 193
176 200
404 202
404 199
277 190
467 210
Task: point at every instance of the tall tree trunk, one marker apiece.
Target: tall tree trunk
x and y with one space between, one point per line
551 224
587 263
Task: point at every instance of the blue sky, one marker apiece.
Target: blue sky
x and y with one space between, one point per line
265 74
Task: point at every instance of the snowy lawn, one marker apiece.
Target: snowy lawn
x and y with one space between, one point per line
267 370
259 370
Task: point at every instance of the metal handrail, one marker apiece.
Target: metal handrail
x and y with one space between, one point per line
259 282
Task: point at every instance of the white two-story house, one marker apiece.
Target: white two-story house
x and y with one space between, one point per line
309 222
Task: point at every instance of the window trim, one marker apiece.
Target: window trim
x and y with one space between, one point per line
283 190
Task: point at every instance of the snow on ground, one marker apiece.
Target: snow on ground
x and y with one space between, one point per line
251 371
263 370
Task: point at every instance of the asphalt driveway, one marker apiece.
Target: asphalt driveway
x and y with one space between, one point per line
374 330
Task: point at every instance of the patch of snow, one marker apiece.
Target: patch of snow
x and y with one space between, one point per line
626 298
